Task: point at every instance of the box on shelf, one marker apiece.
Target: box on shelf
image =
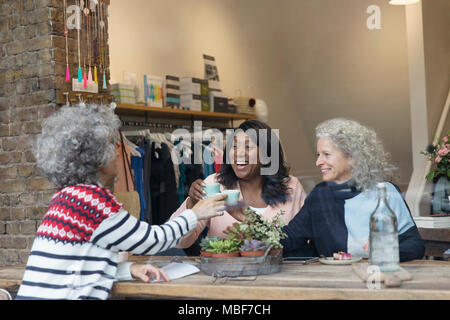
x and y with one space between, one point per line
218 102
153 91
191 102
204 88
190 85
172 91
123 93
434 222
205 103
245 105
172 100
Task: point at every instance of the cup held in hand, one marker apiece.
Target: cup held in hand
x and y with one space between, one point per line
233 196
211 189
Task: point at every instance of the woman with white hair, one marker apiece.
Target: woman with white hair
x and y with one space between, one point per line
336 214
75 251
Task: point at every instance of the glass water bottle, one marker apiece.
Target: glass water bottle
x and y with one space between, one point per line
383 240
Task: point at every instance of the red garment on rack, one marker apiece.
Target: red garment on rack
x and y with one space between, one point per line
218 156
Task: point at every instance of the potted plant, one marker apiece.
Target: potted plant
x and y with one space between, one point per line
253 248
224 248
255 227
205 245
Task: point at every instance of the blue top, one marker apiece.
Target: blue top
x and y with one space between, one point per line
137 164
335 217
357 217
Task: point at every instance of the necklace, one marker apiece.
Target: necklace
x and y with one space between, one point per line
66 34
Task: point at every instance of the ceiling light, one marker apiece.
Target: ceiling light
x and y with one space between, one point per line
403 2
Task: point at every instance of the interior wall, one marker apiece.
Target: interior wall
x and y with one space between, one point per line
310 60
436 34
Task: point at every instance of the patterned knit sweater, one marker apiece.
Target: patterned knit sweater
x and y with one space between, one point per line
75 252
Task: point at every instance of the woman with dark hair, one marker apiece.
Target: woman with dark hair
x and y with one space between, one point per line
254 164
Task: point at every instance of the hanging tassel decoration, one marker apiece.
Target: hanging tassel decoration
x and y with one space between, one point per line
104 80
84 79
89 76
95 74
80 74
67 73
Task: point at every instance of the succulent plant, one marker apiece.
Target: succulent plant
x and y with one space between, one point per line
255 227
224 246
253 245
204 244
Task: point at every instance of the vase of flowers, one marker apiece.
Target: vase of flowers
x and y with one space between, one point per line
439 154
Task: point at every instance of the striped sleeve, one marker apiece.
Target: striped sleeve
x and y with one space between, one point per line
123 232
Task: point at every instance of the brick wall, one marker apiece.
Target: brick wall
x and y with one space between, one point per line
32 70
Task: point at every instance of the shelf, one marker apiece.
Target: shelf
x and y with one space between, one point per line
181 114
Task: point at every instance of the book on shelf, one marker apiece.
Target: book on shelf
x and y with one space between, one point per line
153 91
434 221
172 91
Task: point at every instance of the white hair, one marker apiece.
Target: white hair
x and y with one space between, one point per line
362 145
75 142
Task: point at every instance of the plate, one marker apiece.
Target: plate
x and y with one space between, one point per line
330 260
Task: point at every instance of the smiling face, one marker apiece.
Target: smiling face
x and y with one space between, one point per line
244 157
333 164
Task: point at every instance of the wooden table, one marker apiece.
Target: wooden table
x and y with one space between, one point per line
437 241
431 280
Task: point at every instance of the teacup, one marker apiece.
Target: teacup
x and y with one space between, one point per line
233 196
211 189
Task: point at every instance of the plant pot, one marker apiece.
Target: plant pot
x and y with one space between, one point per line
206 254
252 253
275 251
226 255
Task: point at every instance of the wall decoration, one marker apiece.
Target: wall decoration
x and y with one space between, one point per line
374 20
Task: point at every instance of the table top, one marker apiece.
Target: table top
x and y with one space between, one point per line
296 281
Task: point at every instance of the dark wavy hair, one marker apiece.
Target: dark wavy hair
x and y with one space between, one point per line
274 187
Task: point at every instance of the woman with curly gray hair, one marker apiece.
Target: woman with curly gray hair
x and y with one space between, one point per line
336 214
75 251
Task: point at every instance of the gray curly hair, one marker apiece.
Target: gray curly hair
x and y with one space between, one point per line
75 142
362 145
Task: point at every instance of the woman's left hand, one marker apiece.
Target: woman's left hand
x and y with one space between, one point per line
147 272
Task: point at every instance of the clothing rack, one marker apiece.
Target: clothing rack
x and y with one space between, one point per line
163 125
154 125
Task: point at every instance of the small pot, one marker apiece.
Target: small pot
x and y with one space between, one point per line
226 255
275 251
252 253
206 254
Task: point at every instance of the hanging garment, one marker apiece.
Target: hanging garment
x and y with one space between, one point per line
163 189
182 175
137 166
126 194
218 157
124 179
208 167
145 145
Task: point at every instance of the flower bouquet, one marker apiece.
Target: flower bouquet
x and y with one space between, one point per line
439 154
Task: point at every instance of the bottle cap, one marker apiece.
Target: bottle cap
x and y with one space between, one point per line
381 185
